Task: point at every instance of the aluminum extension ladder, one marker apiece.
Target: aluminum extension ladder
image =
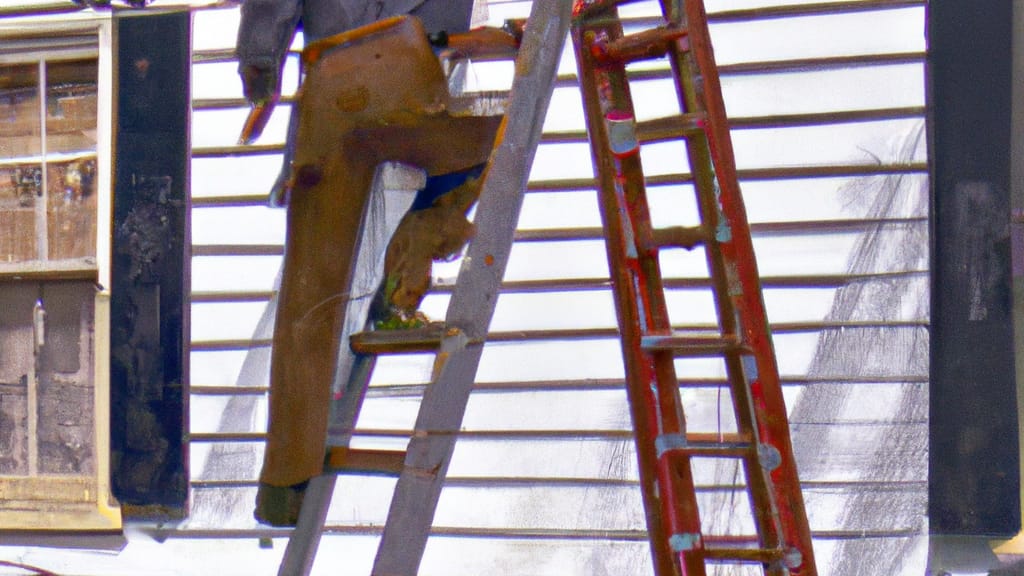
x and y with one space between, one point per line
680 547
458 344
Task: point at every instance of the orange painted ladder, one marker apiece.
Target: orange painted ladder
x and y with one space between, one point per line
668 453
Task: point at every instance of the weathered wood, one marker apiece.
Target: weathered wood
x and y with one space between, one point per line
425 339
974 443
66 433
51 453
387 462
149 264
13 426
16 370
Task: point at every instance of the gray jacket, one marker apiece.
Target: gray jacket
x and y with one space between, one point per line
267 26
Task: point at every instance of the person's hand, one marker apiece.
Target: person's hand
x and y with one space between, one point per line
261 89
259 84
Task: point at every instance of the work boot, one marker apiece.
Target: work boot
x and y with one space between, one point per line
279 505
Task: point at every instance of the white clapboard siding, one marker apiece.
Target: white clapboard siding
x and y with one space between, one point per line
827 105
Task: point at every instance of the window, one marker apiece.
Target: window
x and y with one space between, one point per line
53 331
48 162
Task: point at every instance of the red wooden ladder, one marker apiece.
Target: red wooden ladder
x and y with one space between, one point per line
667 451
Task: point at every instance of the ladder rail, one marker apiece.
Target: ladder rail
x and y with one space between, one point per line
651 382
708 177
301 549
764 390
475 296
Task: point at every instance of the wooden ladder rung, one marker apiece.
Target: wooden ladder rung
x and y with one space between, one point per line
688 237
745 554
691 346
423 339
646 45
671 127
705 445
383 462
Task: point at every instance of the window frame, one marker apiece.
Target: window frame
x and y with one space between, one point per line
69 502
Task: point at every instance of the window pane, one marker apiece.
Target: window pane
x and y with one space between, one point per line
71 107
20 186
20 178
19 111
71 159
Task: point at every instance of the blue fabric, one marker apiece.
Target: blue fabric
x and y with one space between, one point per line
441 184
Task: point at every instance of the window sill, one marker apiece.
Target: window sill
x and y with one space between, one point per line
70 269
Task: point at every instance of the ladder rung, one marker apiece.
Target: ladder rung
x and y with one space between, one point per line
688 237
384 462
718 446
745 554
424 339
684 346
646 45
735 447
671 127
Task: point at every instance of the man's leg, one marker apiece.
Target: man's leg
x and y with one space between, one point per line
323 228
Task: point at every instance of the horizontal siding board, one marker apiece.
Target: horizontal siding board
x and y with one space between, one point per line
554 335
538 412
222 127
851 130
822 198
244 225
209 81
413 389
362 502
585 284
244 273
819 35
233 176
259 240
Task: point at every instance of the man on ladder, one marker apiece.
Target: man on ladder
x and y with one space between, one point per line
436 227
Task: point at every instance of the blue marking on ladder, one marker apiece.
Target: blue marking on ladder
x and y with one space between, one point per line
629 236
684 542
641 309
749 367
665 442
723 233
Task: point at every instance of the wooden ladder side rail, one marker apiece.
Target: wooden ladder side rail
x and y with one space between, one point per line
707 175
669 495
763 390
475 295
304 540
